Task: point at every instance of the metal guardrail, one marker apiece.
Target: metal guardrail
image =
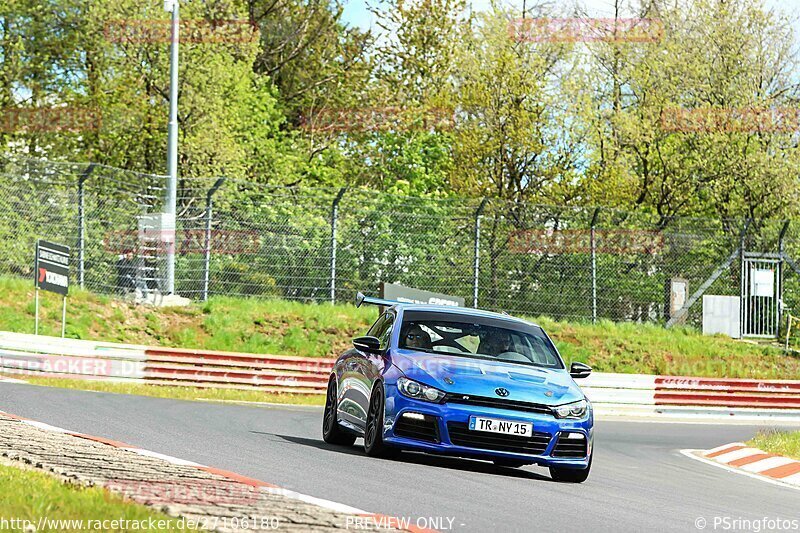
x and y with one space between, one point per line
210 369
52 356
24 354
645 390
773 394
78 359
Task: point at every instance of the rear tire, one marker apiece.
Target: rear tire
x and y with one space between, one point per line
570 475
373 433
332 432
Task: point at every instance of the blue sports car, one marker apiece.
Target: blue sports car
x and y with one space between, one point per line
461 382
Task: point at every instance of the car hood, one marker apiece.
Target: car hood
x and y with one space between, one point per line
478 377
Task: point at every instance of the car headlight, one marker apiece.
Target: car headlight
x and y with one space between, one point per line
572 410
419 391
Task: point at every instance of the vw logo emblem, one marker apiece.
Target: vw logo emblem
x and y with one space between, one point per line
501 392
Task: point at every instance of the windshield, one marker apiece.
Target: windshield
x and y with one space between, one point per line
478 337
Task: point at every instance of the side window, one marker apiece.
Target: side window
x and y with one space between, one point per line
382 329
377 326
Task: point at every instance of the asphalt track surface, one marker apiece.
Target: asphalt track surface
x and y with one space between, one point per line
640 481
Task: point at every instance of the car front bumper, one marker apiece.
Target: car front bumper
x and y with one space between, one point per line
547 428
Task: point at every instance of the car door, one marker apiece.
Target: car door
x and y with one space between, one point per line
376 362
373 364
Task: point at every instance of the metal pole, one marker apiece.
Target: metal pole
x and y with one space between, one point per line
82 223
594 264
172 142
781 255
207 251
64 318
784 229
334 224
36 305
477 259
743 300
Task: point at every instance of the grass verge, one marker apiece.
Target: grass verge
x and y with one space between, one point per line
230 324
180 393
36 496
786 443
631 347
325 330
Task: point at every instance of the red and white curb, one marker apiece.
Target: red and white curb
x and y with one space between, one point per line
387 522
742 459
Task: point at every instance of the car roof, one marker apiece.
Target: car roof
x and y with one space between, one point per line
467 311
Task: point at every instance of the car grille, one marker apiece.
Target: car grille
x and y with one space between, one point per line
461 435
427 430
499 403
570 448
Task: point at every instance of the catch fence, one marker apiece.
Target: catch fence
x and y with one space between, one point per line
242 238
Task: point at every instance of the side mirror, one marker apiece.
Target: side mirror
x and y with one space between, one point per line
367 344
579 370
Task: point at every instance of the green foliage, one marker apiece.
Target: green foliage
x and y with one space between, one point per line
714 57
29 495
583 123
786 443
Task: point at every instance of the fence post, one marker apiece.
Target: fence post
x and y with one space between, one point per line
594 263
207 251
781 253
477 264
784 229
334 223
742 289
82 223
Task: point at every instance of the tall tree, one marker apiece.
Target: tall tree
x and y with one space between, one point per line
716 59
514 138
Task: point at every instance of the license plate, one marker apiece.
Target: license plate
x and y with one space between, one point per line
495 425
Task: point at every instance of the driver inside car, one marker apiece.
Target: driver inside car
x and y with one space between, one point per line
496 343
416 337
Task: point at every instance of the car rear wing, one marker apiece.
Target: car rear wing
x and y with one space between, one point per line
361 299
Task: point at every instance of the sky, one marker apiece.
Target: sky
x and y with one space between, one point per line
357 14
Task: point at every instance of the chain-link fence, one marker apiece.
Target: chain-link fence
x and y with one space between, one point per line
92 208
316 244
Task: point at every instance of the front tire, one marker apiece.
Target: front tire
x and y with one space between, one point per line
373 434
332 432
570 475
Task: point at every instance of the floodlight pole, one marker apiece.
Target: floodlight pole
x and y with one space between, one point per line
593 243
172 144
